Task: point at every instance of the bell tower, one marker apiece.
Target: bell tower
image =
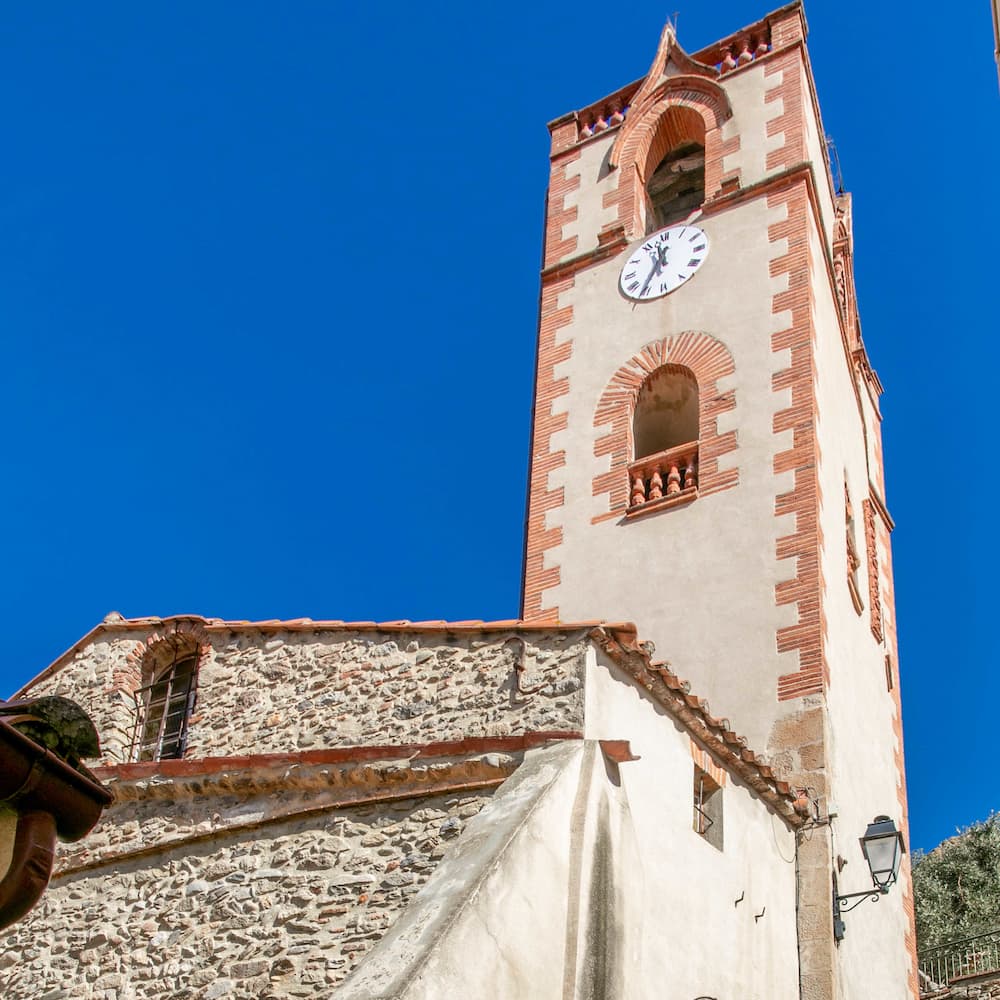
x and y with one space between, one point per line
706 454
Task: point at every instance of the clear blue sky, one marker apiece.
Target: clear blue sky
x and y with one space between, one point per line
268 286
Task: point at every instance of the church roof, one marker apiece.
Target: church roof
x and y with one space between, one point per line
618 640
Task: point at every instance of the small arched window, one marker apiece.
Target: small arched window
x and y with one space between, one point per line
665 437
676 187
165 703
666 411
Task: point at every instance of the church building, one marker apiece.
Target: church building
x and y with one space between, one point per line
652 784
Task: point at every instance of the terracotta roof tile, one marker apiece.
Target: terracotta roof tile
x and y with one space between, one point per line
618 639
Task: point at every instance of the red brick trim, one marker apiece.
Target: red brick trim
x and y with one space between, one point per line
562 182
181 632
704 760
649 133
672 69
791 122
708 360
610 243
802 547
540 573
144 770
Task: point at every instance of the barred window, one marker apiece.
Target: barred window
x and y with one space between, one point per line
164 706
707 807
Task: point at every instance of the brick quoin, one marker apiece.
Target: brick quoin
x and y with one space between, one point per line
541 539
540 573
802 547
791 122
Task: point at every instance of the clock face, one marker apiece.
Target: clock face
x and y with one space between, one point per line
664 262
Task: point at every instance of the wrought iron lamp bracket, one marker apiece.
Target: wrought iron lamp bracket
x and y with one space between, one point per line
858 897
839 909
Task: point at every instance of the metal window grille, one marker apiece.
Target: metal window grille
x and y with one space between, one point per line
162 710
702 821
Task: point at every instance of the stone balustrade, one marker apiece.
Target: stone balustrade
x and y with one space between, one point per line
725 56
738 50
607 113
603 118
665 475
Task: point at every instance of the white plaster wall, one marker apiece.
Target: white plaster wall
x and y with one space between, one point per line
816 152
695 939
698 580
873 422
860 756
526 894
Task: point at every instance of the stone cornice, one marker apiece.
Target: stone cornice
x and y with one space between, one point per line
225 796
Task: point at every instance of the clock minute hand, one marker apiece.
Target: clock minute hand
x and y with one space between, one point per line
653 271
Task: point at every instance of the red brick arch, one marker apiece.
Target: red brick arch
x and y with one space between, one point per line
181 634
708 360
682 108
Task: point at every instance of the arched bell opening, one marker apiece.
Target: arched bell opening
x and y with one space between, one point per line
675 174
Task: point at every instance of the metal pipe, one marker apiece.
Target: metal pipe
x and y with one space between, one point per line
50 798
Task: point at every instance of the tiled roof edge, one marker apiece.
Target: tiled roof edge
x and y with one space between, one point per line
716 735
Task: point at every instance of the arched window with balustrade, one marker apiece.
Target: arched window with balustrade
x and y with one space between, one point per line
665 436
657 422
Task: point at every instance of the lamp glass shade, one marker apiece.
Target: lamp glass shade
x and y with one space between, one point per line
882 845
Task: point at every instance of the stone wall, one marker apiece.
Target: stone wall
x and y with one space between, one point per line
279 911
263 690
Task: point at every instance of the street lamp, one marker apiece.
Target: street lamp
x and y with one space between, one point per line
883 848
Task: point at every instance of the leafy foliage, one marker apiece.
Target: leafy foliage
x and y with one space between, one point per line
957 885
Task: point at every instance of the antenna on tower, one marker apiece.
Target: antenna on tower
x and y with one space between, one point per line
833 157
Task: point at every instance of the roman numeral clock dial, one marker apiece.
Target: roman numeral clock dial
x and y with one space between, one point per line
663 262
